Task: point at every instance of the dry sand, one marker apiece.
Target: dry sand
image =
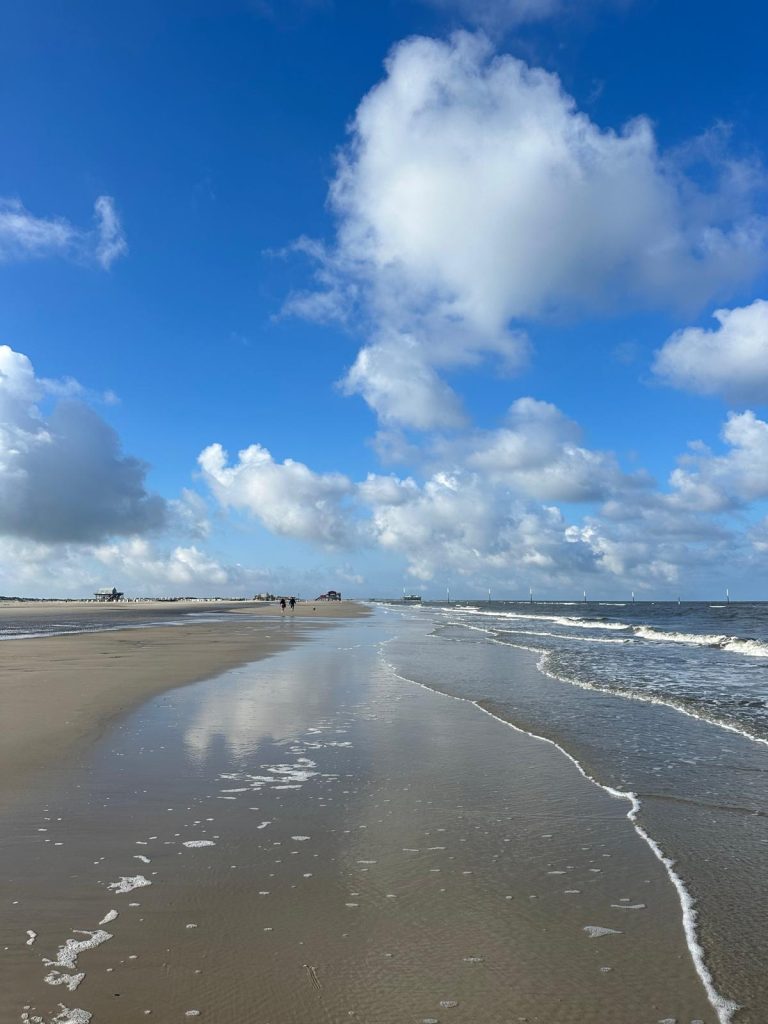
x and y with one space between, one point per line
58 693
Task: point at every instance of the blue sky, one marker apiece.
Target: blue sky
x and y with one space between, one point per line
444 271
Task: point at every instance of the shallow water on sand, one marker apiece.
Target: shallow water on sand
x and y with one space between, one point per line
312 838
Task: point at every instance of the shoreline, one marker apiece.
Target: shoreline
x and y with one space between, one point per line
724 1007
386 872
60 692
697 792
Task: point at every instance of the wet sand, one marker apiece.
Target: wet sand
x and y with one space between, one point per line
58 693
321 841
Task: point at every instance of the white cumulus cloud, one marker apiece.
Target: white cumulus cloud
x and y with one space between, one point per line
473 194
64 477
287 497
730 360
539 454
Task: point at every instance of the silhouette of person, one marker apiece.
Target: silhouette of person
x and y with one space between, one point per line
292 603
282 606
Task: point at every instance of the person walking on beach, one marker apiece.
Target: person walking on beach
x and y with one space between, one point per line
282 606
292 603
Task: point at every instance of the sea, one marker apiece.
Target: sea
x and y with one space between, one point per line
662 703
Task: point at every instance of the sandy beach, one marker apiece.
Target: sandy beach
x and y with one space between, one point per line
312 838
59 692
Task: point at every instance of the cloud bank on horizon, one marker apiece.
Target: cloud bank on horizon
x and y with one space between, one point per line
474 204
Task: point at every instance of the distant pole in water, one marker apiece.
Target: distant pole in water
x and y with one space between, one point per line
727 596
633 597
489 595
530 593
448 592
585 597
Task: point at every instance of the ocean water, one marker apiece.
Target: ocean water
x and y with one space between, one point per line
708 660
665 703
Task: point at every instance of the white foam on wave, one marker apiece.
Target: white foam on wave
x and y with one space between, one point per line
565 636
541 632
596 931
748 646
645 698
724 1008
31 936
109 916
561 620
127 883
195 844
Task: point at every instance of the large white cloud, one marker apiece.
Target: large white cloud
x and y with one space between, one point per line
474 194
730 360
25 236
539 454
64 477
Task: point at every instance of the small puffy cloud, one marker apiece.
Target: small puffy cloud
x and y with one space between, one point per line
24 236
64 477
729 360
474 194
538 454
715 483
287 497
395 379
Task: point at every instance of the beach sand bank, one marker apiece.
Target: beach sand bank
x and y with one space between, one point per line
59 692
313 839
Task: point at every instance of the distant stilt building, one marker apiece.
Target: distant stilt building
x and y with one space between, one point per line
109 594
